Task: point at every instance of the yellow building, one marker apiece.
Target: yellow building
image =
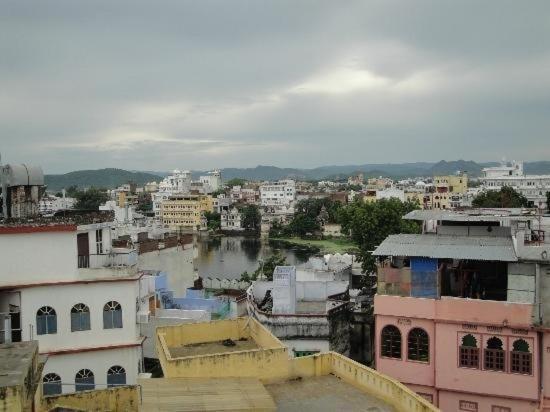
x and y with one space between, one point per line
419 197
185 210
448 191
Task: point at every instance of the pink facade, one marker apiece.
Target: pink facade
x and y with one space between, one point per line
460 369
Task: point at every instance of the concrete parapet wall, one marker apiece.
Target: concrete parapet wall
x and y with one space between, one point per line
365 379
122 398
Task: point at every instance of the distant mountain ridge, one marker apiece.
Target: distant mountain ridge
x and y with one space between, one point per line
111 178
107 178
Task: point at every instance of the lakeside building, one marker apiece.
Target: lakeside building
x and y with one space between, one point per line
231 220
181 211
533 187
461 310
309 316
277 200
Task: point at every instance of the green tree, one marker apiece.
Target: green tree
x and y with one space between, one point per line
215 193
268 266
370 223
214 220
250 217
306 213
90 199
505 197
235 182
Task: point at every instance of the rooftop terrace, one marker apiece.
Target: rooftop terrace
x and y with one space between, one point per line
205 375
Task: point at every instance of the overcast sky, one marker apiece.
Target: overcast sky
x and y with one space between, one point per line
200 84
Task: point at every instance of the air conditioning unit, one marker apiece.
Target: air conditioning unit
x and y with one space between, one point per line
143 317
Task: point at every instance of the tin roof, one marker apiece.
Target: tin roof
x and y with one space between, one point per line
471 215
449 247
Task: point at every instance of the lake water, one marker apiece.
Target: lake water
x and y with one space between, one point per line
228 257
223 258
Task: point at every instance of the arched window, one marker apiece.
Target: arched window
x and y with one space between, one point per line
521 359
84 380
51 384
46 321
494 355
391 342
469 352
418 344
80 317
116 375
112 315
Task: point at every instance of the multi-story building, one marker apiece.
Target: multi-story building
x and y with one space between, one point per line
277 199
211 182
64 285
447 192
231 220
185 211
151 187
533 187
461 310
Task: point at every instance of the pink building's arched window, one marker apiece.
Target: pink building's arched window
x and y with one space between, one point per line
469 352
521 359
493 356
418 345
391 342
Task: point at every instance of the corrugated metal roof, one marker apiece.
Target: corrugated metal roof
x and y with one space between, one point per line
473 215
449 247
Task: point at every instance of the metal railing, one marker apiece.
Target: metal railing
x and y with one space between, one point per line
106 260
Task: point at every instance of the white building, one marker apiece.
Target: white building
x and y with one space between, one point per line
50 204
277 199
533 187
125 214
64 285
211 182
231 220
389 193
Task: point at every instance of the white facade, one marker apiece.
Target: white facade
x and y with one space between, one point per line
278 198
533 187
231 220
124 214
211 182
389 193
60 269
51 204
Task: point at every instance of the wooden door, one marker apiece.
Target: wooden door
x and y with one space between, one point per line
83 246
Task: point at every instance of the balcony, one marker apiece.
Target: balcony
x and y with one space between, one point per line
118 261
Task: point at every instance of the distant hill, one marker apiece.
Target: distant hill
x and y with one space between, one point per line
111 178
537 168
447 168
108 178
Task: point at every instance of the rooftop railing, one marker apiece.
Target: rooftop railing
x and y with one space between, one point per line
108 260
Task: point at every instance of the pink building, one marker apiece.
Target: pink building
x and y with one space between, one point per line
460 311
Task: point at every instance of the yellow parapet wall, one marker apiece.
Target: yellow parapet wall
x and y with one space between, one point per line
122 398
366 379
270 362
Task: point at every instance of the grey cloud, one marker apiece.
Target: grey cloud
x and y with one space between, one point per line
199 84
